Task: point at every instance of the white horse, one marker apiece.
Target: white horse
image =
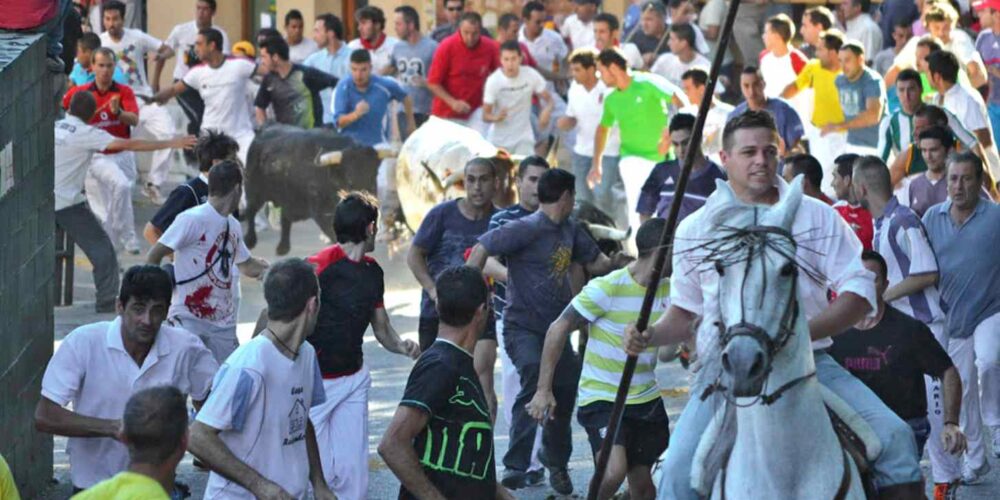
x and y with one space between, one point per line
773 437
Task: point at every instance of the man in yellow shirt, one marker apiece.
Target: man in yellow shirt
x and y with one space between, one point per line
8 488
154 428
819 74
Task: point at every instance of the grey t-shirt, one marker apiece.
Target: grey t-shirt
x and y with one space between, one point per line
415 60
853 96
539 253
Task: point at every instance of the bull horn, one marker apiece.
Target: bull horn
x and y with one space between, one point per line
330 158
601 232
433 177
452 179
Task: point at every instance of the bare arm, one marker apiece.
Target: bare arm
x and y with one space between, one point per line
603 265
977 74
600 140
205 444
320 488
844 312
128 118
867 118
416 260
566 123
555 341
54 419
396 449
492 114
984 136
494 269
157 253
411 121
897 171
170 92
386 335
477 258
260 115
182 142
673 327
910 285
151 233
547 105
254 267
791 90
165 52
484 358
439 91
951 436
891 75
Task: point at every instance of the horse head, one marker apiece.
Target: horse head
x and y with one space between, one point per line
754 256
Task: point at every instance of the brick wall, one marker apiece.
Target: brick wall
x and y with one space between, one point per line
27 263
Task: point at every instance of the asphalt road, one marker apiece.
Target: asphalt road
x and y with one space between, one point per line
388 371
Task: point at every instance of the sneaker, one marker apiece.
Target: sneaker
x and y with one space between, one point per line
132 246
946 491
559 480
996 440
514 479
153 193
973 476
534 477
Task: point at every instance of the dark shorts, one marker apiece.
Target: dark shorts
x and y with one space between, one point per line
427 331
921 428
644 432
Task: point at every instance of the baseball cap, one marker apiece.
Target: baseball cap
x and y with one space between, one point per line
986 4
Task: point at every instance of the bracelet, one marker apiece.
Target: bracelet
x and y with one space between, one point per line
949 422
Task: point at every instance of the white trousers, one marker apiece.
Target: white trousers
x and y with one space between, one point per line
945 467
109 184
341 425
510 385
826 149
243 139
155 123
634 171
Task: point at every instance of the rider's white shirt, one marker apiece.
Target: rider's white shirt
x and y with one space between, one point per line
825 244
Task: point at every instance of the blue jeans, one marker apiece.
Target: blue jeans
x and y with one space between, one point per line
898 463
604 195
921 428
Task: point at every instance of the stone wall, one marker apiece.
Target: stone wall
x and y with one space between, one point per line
27 263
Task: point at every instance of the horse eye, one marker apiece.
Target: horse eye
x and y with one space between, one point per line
719 268
788 269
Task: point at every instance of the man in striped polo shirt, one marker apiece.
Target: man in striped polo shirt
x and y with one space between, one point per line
608 304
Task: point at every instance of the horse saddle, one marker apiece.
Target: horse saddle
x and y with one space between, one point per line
855 435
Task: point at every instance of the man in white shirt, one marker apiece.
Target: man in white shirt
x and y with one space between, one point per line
132 47
545 45
606 36
578 28
583 111
221 82
682 55
780 63
941 21
372 37
254 431
99 365
299 47
834 251
181 41
859 25
207 241
694 82
507 102
75 145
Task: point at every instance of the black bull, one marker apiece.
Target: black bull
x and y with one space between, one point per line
282 167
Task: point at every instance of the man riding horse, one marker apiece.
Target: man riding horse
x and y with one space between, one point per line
825 255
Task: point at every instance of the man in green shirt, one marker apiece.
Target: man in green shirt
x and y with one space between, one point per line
640 105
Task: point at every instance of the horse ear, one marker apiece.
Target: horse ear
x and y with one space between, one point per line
782 214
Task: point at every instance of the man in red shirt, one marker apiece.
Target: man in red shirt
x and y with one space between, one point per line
859 218
112 172
459 70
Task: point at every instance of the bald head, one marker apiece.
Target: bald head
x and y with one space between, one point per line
871 173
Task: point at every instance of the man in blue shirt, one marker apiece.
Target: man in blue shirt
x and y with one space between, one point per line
862 97
331 58
361 102
970 291
789 125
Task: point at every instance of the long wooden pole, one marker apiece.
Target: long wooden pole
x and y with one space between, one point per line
666 243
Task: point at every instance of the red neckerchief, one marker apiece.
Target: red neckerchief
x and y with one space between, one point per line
370 46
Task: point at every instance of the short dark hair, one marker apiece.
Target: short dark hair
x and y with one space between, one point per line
145 282
224 177
154 424
820 15
854 46
612 56
945 64
293 15
930 42
530 7
698 76
608 18
214 145
970 158
471 17
873 256
832 40
909 75
113 5
553 183
211 4
655 6
681 121
332 23
511 46
935 114
866 5
808 166
684 31
276 46
783 26
370 13
461 290
462 2
844 164
361 56
288 286
872 172
750 69
89 41
506 19
486 162
410 15
531 161
647 238
213 35
265 33
748 120
939 133
584 57
83 105
352 216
